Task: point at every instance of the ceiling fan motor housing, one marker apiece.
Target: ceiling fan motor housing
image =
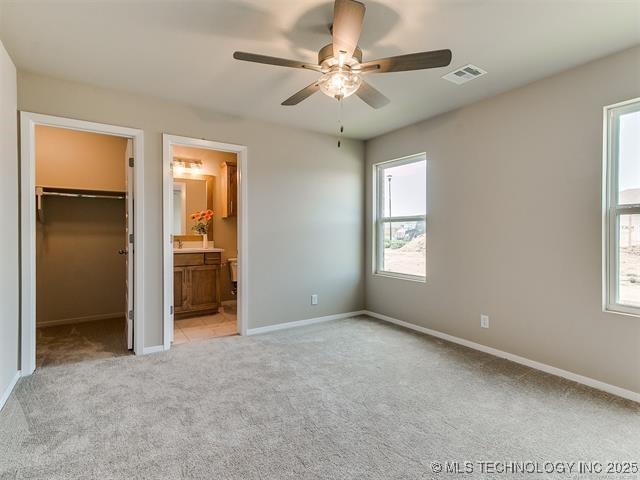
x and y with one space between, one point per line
327 59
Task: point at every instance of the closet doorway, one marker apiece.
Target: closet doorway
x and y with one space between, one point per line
79 227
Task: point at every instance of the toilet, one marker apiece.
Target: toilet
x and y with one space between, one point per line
233 274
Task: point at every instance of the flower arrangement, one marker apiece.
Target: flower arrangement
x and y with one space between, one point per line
202 219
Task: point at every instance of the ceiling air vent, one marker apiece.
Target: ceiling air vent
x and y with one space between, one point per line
464 74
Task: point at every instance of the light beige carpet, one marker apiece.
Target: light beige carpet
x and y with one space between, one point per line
351 399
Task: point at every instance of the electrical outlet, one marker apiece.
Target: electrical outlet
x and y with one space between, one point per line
314 299
484 321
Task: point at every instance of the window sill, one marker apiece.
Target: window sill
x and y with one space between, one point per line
622 310
400 276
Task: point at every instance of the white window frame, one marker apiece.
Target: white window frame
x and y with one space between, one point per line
379 220
612 210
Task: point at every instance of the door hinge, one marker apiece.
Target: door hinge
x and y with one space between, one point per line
131 238
171 309
130 314
131 162
171 239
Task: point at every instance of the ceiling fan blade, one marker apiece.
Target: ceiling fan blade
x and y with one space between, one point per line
280 62
371 96
303 94
412 61
348 16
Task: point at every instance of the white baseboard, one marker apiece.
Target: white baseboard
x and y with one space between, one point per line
301 323
88 318
590 382
155 349
9 389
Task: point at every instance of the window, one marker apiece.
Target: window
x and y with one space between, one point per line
400 218
622 208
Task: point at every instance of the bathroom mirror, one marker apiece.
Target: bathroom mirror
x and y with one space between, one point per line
179 208
190 195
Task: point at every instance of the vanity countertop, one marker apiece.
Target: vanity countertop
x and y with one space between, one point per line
197 250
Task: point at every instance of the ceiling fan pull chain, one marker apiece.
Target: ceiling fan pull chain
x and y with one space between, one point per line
340 124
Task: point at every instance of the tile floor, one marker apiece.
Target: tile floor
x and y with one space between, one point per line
209 326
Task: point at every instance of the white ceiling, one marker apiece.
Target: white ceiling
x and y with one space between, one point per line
182 50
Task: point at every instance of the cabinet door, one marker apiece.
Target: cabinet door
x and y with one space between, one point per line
232 198
229 185
203 287
180 289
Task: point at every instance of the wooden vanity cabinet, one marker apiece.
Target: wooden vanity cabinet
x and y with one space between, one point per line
196 283
229 184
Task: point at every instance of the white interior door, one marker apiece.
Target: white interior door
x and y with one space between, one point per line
128 248
183 197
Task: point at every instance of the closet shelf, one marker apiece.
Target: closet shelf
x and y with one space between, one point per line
42 191
80 193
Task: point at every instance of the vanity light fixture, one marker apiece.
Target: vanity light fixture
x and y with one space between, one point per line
187 165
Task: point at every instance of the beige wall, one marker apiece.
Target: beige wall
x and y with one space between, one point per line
514 224
73 159
9 250
305 199
225 230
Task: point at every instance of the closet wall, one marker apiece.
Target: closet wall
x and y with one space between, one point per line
73 159
80 275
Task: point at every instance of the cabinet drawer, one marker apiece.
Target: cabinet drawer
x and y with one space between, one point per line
188 259
212 258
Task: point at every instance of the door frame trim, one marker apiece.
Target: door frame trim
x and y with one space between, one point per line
168 141
28 122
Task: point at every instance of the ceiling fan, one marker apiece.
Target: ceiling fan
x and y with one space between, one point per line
341 65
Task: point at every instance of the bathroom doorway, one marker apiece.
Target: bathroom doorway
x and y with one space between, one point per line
78 263
203 226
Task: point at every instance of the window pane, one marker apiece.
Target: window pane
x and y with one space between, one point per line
629 260
404 248
405 189
629 158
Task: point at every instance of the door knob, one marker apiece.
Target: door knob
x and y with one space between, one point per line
123 252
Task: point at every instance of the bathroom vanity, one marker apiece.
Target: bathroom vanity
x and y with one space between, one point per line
196 281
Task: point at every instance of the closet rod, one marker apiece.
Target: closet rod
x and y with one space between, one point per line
82 195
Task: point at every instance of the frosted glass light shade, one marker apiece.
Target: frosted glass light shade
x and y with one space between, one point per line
339 82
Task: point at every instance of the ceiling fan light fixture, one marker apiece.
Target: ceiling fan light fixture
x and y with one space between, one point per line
339 82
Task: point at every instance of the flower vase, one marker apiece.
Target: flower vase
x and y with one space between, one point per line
205 241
